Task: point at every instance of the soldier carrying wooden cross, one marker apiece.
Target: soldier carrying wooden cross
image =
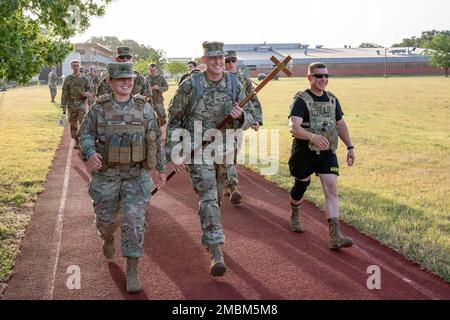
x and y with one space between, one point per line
212 99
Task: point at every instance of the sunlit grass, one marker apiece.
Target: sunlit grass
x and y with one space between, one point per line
29 135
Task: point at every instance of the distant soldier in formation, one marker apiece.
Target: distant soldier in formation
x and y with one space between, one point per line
95 82
231 66
121 140
192 67
158 86
316 123
52 83
201 102
76 90
125 54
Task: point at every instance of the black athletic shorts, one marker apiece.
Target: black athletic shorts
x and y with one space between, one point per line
304 163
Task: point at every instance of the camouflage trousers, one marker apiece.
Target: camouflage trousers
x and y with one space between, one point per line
122 201
232 176
53 91
159 108
208 181
76 115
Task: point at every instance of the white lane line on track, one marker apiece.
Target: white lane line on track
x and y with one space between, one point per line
60 217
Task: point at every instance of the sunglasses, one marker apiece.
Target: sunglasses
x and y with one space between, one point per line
320 76
230 60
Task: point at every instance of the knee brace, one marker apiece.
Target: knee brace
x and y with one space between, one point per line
299 189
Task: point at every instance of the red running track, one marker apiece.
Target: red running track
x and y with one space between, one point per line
265 260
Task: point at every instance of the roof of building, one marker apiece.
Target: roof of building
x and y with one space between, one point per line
254 54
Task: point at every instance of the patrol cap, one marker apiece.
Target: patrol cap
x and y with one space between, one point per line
118 70
231 54
124 51
213 48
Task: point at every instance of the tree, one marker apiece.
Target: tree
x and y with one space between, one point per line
440 51
176 68
35 33
141 66
369 45
157 57
140 51
419 42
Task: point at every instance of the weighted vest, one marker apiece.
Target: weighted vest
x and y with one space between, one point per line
122 135
322 119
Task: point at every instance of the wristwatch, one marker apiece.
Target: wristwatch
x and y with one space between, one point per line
350 147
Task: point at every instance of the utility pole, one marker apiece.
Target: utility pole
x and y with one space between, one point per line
385 62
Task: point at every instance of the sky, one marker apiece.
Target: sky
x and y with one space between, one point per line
179 27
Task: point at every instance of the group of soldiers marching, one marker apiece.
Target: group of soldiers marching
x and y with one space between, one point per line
117 124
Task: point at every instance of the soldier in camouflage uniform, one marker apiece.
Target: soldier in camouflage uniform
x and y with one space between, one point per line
52 83
231 66
121 140
141 87
158 85
76 90
95 82
192 67
201 102
316 123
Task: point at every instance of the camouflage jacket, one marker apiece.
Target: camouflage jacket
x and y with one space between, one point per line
158 80
187 75
140 86
248 86
89 136
214 104
95 79
52 78
72 90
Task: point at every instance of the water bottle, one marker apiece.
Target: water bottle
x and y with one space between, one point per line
62 119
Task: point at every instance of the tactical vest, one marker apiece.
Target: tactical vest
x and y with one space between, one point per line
198 90
122 135
322 119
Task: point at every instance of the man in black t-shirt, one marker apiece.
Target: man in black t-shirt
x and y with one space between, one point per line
316 123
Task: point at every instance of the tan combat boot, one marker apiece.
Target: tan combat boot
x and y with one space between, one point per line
235 197
133 283
108 248
337 240
218 267
296 225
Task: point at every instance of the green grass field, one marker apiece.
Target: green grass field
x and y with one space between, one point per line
398 190
29 134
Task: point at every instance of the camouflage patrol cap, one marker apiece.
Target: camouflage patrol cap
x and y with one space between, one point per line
118 70
231 54
124 51
213 48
